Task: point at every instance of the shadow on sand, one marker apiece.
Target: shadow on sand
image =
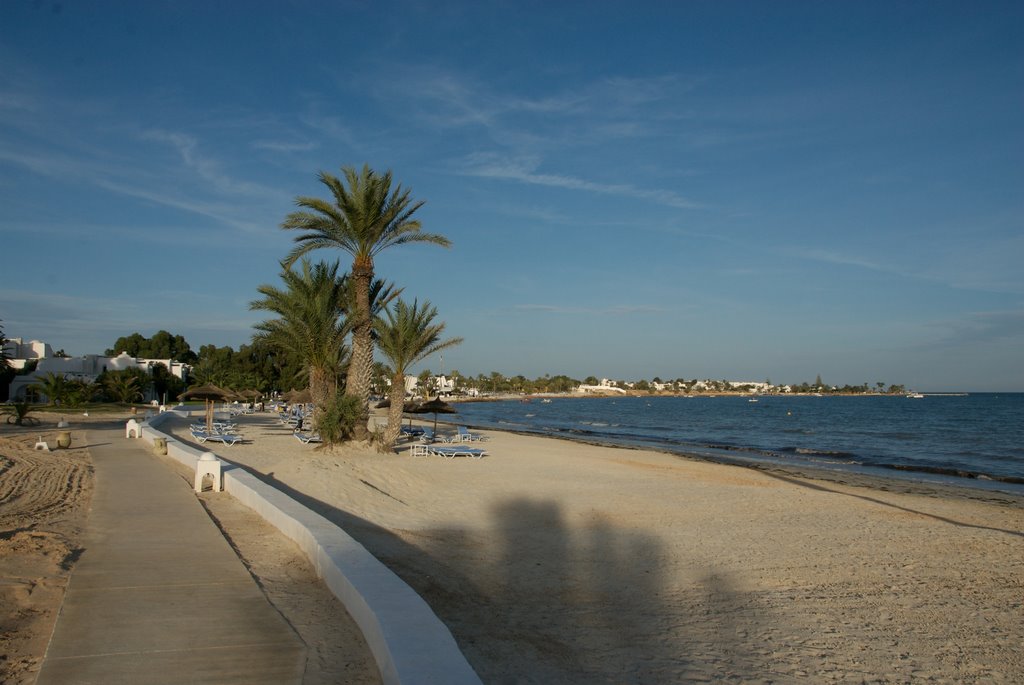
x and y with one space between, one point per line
533 599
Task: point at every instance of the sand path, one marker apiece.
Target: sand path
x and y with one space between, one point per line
44 503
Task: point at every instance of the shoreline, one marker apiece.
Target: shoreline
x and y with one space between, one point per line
830 466
882 482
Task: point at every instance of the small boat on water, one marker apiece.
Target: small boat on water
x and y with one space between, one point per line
915 396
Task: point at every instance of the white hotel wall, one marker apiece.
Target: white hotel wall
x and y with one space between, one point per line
410 644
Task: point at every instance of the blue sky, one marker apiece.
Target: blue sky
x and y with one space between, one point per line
694 189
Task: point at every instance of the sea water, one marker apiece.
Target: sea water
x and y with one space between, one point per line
975 440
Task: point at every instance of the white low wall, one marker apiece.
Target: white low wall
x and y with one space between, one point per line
409 642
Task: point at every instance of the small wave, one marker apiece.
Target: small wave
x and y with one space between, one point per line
503 422
808 452
947 471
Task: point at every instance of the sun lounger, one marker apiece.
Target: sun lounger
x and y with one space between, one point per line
465 436
218 427
226 438
429 436
412 432
450 452
306 438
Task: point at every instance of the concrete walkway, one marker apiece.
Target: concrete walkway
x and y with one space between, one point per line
158 595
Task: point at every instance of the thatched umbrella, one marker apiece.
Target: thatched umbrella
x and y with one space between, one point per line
297 396
210 393
435 406
301 396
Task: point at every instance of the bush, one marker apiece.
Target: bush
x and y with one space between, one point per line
338 419
19 414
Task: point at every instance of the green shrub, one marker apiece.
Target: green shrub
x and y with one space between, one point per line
338 419
18 414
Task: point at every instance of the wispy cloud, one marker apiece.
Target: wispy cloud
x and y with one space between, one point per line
833 257
284 146
332 127
221 213
489 166
124 179
982 328
208 169
988 267
595 112
617 310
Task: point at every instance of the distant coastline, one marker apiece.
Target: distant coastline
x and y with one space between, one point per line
504 397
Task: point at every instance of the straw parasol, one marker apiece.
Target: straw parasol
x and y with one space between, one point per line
300 396
435 406
210 393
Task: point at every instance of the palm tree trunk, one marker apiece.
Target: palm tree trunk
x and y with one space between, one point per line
360 369
321 391
397 397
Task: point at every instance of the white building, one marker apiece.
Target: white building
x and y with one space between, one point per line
605 387
86 368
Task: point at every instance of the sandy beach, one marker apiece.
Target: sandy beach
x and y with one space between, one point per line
553 561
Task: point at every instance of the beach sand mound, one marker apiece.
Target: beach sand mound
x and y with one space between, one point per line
43 500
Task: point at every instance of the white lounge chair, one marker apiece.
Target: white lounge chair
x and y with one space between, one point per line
228 439
429 436
452 451
306 438
465 436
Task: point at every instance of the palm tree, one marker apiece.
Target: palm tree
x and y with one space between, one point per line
124 387
53 385
363 219
406 335
310 324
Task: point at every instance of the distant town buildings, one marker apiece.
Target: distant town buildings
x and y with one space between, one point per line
86 368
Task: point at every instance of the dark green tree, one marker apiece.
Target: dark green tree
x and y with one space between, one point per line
162 345
165 384
6 370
